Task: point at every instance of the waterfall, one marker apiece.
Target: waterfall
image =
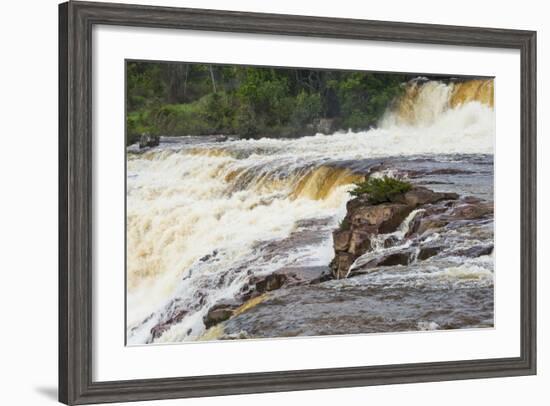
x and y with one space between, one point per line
424 103
201 215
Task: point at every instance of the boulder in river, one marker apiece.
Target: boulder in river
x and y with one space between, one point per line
258 285
219 312
270 282
430 223
147 140
429 251
476 251
365 221
420 195
160 328
471 211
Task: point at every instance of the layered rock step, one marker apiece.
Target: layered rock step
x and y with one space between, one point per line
369 227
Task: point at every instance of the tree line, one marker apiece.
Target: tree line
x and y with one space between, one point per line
203 99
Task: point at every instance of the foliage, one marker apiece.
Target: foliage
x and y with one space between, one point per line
197 99
217 111
144 84
245 121
364 97
380 190
307 108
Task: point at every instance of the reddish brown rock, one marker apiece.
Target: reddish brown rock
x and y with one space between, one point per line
359 242
365 220
270 282
475 252
219 312
383 218
341 240
160 328
420 195
472 211
430 224
341 264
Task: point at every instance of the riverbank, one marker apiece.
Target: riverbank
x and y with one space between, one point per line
253 103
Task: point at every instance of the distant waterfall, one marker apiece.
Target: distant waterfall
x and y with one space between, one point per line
425 102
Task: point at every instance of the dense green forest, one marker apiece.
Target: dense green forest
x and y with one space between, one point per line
200 99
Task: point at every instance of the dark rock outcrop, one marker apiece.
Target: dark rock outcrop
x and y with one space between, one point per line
474 252
465 209
258 285
287 277
160 328
147 140
219 312
431 223
380 218
420 195
365 220
387 259
471 211
428 252
270 282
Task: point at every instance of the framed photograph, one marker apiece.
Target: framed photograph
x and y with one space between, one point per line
258 203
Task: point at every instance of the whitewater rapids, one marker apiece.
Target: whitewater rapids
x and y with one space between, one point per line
203 212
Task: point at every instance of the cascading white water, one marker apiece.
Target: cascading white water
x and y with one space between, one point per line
378 241
180 209
423 103
198 213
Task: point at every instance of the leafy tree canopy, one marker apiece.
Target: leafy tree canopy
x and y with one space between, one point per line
199 99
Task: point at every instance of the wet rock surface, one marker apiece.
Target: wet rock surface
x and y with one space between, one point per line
161 327
325 309
427 252
365 221
218 313
147 140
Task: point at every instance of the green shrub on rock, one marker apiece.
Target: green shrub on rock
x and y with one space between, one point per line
380 190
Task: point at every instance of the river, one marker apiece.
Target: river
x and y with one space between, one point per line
207 214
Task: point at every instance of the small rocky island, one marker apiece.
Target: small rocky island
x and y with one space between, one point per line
368 226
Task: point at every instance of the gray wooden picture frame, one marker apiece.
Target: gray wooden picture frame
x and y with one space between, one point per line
76 20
